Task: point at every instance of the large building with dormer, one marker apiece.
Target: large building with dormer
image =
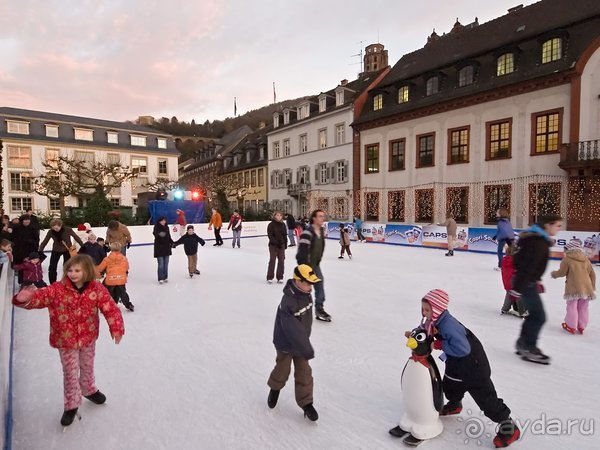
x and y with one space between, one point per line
310 146
31 137
500 114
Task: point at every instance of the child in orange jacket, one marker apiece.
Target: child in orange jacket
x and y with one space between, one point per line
117 268
73 304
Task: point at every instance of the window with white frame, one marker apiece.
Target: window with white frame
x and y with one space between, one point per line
248 156
115 202
304 174
261 177
276 152
286 147
138 141
323 138
84 134
281 179
341 172
286 117
339 97
340 134
18 204
322 174
303 143
51 130
161 142
19 156
253 178
20 181
52 155
139 166
275 120
112 137
261 152
287 177
54 204
15 127
83 156
113 159
162 167
322 104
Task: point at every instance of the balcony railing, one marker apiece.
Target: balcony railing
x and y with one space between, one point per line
296 189
583 152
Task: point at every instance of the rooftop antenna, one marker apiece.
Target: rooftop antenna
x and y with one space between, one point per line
360 55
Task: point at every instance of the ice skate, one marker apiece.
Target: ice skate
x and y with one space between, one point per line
567 328
310 412
97 397
508 432
450 409
273 397
321 315
130 307
69 416
398 432
196 272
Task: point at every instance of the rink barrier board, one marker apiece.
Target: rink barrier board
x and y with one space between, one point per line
6 354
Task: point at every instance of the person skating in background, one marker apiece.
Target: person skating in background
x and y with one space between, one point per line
61 243
291 337
181 222
74 331
190 242
235 224
505 235
467 367
276 232
450 225
290 223
162 248
531 258
117 269
26 239
118 232
35 222
311 246
216 222
508 272
580 286
358 227
94 249
32 270
344 242
6 229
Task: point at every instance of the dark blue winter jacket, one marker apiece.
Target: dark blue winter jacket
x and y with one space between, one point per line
505 230
453 335
96 251
293 323
190 243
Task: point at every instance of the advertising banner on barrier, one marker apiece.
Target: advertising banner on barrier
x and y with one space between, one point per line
482 240
436 236
333 229
403 234
589 241
374 232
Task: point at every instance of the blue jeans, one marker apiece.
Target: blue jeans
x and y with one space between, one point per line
319 288
532 325
501 244
163 267
292 236
236 238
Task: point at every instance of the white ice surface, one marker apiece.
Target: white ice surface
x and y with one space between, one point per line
191 370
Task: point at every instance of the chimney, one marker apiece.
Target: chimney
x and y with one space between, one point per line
515 8
344 82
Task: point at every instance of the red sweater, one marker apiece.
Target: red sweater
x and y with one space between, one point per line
31 272
74 319
508 271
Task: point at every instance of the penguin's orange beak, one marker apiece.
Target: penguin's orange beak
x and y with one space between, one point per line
412 343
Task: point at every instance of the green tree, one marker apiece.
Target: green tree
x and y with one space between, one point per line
96 212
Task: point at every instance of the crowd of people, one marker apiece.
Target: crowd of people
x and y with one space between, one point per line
98 271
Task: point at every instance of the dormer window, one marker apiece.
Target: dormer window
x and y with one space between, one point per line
51 130
286 117
138 141
505 64
275 120
339 98
299 113
247 157
322 103
261 152
551 50
17 127
112 137
82 134
403 94
465 76
161 142
377 102
432 86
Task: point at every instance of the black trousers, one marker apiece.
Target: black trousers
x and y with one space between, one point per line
472 374
533 323
119 293
218 238
54 258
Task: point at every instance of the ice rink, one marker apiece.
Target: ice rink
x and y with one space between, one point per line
191 370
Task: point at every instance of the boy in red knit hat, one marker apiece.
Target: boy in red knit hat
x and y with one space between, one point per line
467 367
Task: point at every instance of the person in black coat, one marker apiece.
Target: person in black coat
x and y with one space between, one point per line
26 240
190 241
290 222
291 337
162 248
93 249
530 259
277 233
6 229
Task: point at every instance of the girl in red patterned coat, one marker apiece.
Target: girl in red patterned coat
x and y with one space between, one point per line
73 334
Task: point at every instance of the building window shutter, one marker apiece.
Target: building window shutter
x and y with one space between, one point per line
317 177
346 167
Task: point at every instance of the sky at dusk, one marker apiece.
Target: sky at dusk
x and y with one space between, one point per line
116 60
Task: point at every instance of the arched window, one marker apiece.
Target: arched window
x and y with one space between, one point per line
551 50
